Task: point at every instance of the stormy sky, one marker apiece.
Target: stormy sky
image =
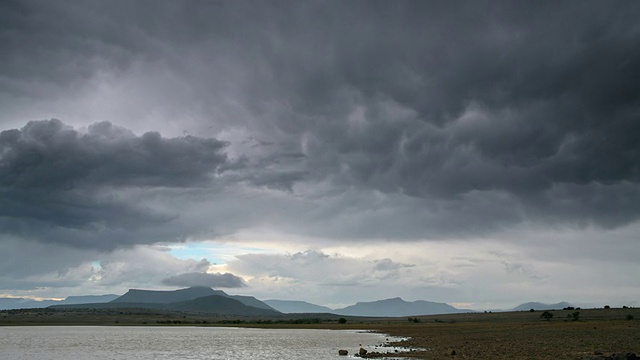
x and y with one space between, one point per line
482 153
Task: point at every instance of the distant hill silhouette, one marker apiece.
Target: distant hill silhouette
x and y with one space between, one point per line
219 305
541 306
208 301
291 307
25 303
211 304
397 307
88 299
165 297
251 301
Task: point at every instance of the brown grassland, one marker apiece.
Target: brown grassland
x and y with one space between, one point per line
501 335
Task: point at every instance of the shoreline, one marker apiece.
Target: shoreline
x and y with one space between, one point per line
596 334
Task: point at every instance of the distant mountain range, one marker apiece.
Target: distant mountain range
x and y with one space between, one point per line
397 307
88 299
212 304
165 297
541 306
24 303
193 299
290 307
384 308
206 300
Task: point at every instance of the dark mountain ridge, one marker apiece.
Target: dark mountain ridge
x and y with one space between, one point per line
211 304
291 307
192 293
155 299
25 303
83 299
396 307
541 306
166 297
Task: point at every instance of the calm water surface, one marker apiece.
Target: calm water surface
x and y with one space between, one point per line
125 343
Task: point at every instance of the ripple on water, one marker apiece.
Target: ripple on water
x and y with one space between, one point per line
191 343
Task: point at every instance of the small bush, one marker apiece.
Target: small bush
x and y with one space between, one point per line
342 321
546 315
629 317
574 316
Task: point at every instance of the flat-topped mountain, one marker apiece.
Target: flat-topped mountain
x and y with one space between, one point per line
166 297
541 306
397 307
209 304
291 307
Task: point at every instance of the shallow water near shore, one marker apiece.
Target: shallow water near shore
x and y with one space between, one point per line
211 343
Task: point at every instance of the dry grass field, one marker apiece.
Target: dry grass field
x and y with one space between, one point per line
503 335
524 335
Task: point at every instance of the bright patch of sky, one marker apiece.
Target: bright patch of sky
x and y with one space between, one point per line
216 253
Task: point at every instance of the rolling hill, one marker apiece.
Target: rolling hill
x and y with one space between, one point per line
397 307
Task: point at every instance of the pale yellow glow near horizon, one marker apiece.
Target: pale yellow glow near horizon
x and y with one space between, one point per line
31 297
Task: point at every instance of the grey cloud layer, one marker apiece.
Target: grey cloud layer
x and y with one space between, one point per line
49 155
467 117
58 183
217 280
328 123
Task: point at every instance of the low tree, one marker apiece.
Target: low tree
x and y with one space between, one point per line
342 320
574 316
546 315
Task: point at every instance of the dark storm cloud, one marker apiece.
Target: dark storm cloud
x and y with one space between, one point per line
435 101
51 156
76 39
58 181
466 107
216 280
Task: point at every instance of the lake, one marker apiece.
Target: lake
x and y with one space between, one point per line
211 343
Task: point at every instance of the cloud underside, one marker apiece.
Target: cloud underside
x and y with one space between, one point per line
105 187
339 121
216 280
58 182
